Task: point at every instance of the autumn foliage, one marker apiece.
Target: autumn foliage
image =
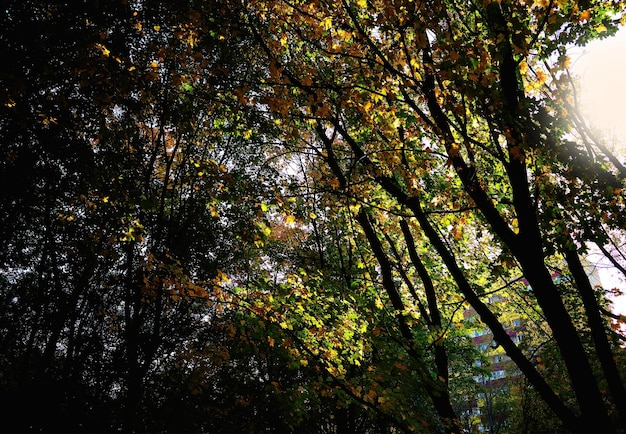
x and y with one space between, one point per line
267 215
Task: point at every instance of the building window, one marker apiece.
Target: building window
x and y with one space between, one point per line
476 333
498 374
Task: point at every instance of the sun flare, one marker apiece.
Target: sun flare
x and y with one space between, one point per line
601 69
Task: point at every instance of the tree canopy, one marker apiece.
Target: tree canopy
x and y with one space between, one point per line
293 216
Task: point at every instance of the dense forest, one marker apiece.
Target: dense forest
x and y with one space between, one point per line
294 216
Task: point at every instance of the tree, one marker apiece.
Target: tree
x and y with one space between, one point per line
327 294
282 208
463 108
135 187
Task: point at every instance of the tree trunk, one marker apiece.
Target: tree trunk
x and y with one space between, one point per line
598 333
436 389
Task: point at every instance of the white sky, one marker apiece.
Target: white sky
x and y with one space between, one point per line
610 278
601 67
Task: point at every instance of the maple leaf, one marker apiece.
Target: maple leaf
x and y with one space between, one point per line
584 16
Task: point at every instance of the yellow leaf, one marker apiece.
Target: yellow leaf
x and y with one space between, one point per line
326 23
222 276
104 50
290 219
49 120
361 3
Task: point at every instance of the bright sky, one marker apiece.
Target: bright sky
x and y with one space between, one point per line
601 66
610 278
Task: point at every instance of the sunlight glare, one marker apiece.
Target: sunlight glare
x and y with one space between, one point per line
601 68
